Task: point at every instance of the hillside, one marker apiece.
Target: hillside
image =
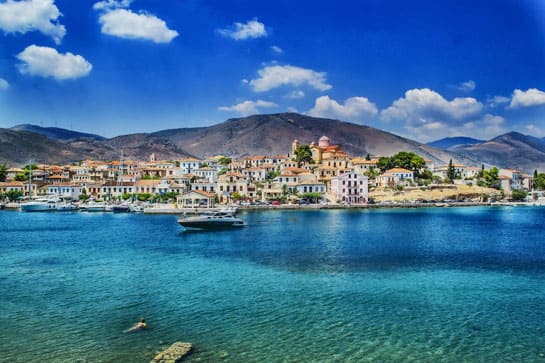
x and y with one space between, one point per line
56 133
511 150
273 135
450 142
18 147
239 137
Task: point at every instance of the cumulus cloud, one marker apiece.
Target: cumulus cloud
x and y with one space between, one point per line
295 95
534 130
484 127
4 85
32 15
354 108
277 49
497 100
530 97
424 105
239 31
47 62
275 76
247 108
467 86
124 23
112 4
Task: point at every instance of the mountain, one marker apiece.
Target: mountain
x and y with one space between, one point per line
20 147
512 150
56 133
273 135
449 142
238 138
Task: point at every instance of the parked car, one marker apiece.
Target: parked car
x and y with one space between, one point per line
275 202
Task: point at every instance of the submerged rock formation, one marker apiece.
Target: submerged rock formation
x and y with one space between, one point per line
173 354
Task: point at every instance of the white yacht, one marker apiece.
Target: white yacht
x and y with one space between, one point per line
211 220
67 207
40 205
94 207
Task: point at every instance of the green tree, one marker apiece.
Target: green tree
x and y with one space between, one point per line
143 196
491 178
303 155
13 195
372 173
312 197
224 161
403 159
236 196
539 181
3 172
271 175
519 195
451 172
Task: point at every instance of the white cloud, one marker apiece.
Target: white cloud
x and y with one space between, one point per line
497 100
275 76
295 95
4 85
534 130
530 97
47 62
354 108
424 105
124 23
112 4
277 49
467 86
239 31
485 127
32 15
247 108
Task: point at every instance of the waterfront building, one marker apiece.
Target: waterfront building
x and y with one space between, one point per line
395 176
65 190
196 199
229 183
350 188
11 186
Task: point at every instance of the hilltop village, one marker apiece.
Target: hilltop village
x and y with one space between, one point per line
317 173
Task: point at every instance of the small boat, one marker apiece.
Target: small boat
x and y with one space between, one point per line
66 207
121 208
93 207
211 220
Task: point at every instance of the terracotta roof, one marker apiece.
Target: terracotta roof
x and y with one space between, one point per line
398 170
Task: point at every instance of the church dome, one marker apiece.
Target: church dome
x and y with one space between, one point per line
324 141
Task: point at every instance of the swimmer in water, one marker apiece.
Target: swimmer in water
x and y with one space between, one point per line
138 326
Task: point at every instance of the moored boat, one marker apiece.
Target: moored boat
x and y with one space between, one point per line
211 220
121 208
39 205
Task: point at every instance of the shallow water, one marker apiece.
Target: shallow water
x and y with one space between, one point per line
424 285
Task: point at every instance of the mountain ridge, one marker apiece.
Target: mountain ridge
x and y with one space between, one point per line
269 134
56 133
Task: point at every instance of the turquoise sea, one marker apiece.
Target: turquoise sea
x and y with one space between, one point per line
413 285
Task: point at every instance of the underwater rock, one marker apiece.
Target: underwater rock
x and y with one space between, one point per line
173 354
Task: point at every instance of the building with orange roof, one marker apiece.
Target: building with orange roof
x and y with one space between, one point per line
395 176
196 199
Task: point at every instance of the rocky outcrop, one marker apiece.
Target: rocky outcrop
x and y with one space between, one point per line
173 354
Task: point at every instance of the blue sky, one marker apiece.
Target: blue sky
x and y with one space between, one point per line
420 69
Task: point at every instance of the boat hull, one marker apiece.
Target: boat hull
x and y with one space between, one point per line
121 209
212 225
38 207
